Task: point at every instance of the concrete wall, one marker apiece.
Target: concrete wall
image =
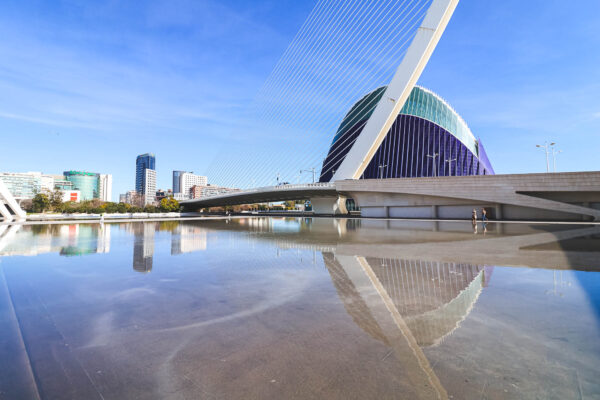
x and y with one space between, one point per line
463 212
516 213
570 196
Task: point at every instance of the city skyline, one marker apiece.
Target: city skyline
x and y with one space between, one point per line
518 84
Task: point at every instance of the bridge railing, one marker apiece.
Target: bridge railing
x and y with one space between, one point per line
262 189
291 187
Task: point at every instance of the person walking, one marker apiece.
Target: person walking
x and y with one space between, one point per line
484 215
474 217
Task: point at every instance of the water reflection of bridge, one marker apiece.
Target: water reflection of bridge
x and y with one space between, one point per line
431 297
408 286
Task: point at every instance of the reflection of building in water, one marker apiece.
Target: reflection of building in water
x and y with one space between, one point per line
143 246
188 238
82 239
67 240
103 238
432 298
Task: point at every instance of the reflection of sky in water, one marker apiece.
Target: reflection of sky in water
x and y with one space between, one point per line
275 308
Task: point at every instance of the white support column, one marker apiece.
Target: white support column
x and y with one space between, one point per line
397 92
7 197
4 212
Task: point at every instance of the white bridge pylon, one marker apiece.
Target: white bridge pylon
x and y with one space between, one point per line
6 198
397 92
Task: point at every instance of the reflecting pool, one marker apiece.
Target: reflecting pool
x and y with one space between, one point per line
276 308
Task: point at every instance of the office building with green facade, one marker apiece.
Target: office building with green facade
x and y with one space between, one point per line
85 182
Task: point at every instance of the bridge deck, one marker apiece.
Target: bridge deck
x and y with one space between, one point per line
569 193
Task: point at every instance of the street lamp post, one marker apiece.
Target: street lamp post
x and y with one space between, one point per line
554 153
310 170
450 166
546 148
381 167
433 157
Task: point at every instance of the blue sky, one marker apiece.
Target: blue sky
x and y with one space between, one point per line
89 85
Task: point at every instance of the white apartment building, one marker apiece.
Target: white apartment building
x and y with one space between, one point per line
105 187
150 187
187 180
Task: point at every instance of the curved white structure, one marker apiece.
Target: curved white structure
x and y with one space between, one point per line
7 199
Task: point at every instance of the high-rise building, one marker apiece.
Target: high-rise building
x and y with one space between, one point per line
149 186
144 162
188 180
85 182
105 187
177 181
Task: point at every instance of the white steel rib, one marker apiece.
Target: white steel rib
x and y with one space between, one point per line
397 92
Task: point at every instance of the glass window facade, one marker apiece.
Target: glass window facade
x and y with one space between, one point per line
428 138
142 163
22 185
63 184
85 182
177 181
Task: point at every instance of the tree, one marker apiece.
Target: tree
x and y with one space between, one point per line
169 204
110 207
150 209
56 200
40 203
68 207
26 205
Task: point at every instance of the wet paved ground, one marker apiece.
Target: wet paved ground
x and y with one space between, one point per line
273 308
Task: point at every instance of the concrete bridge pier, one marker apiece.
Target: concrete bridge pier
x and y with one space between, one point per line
329 205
